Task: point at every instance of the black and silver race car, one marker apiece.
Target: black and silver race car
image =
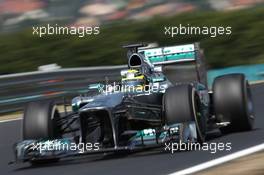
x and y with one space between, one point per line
162 97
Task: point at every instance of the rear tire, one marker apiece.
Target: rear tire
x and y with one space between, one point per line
182 104
233 103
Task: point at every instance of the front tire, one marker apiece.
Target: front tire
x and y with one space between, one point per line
181 105
233 103
41 122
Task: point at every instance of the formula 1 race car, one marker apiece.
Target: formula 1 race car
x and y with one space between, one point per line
162 97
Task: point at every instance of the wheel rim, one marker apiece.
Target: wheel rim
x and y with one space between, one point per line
198 120
249 105
56 132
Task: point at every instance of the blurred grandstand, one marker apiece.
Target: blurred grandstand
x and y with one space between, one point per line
19 14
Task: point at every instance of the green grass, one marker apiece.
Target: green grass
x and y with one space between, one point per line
22 51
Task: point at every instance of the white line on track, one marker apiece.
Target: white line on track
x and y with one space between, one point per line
220 160
10 120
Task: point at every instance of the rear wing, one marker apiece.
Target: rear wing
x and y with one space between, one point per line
171 54
180 64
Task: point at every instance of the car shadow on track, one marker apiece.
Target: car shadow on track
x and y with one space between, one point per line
213 136
95 158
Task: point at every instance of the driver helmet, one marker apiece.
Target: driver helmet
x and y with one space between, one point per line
134 78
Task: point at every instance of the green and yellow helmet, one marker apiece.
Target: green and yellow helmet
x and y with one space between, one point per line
133 77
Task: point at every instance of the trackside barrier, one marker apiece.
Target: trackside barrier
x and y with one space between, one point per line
18 89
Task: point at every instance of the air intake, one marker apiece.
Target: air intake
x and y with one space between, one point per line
135 60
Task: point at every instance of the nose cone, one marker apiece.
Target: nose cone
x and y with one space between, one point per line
103 100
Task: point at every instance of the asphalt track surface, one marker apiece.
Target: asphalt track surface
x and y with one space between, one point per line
151 162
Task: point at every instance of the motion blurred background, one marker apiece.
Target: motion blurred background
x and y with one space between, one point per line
125 21
121 22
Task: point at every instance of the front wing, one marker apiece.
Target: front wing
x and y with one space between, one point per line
30 150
